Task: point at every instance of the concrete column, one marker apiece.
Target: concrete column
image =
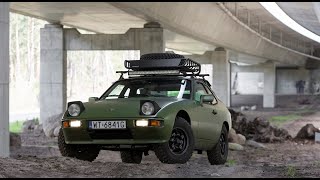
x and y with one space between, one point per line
151 39
269 85
4 80
221 75
52 72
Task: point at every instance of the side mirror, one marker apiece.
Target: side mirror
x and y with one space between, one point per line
206 98
93 99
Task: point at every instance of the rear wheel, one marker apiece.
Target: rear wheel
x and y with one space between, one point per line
82 152
180 146
131 156
219 153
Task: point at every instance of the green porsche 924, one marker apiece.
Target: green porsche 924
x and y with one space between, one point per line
165 105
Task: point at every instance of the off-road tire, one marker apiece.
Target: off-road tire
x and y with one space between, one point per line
131 156
215 155
82 152
165 155
151 56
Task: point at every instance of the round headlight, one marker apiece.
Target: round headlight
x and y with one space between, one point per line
74 110
147 108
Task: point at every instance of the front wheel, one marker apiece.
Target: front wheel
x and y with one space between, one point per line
219 153
82 152
180 146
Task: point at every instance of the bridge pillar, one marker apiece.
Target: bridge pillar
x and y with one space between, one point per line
4 80
269 84
52 72
220 81
221 74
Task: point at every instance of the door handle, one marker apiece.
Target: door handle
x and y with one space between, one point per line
214 112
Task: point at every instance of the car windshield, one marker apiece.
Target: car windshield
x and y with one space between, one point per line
177 88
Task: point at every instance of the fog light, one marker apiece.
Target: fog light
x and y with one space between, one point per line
155 123
65 124
75 123
142 123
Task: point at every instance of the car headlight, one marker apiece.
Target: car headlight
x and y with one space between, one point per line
142 122
74 110
75 123
147 108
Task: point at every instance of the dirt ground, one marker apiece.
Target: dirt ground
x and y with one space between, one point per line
40 157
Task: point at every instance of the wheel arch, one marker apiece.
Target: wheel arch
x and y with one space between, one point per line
225 123
184 115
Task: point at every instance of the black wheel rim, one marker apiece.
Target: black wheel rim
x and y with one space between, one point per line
178 141
223 144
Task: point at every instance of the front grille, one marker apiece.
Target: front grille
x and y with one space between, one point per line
110 134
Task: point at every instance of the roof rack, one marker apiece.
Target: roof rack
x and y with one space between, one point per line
172 66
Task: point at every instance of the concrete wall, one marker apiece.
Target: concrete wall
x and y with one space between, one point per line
247 83
286 80
4 79
281 100
269 79
247 100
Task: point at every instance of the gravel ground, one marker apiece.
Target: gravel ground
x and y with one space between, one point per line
39 157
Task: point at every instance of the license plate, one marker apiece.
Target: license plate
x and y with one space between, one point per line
107 124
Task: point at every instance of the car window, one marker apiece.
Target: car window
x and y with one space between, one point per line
115 92
167 88
199 90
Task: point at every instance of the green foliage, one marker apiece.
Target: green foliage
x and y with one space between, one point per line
231 162
279 120
291 171
16 127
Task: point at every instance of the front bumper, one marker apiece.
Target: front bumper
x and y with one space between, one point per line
131 135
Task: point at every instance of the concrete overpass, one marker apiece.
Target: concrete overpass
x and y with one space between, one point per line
214 33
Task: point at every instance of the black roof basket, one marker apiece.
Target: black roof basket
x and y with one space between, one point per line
183 65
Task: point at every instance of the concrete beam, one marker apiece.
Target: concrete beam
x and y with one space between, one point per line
4 80
52 72
147 40
222 29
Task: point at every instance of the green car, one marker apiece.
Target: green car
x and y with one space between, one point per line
164 105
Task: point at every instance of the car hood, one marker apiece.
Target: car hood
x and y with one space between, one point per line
121 108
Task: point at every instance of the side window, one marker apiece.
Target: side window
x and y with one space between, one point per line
126 94
114 94
199 90
210 92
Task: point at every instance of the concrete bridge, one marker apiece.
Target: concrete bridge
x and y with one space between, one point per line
224 35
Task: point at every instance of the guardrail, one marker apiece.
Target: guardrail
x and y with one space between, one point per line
268 30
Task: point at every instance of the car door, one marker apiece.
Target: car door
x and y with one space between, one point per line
207 127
